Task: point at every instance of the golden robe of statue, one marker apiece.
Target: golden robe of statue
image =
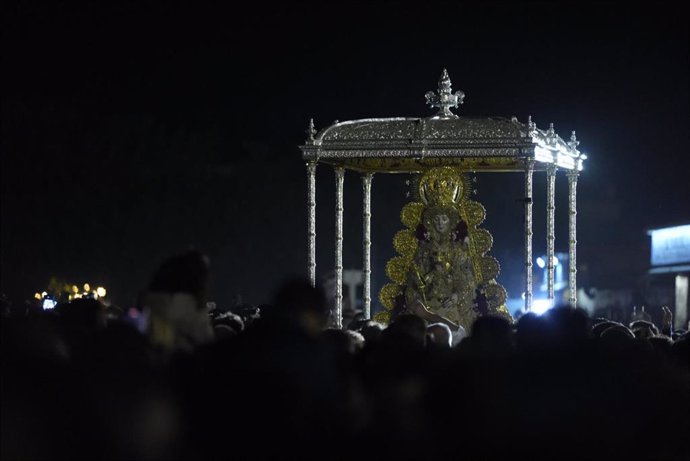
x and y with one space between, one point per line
442 276
442 262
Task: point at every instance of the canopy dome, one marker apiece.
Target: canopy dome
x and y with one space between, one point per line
406 144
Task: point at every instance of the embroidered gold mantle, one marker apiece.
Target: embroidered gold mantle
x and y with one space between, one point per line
442 253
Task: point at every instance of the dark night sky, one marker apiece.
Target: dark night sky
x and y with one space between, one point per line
132 131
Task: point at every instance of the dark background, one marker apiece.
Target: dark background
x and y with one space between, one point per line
133 130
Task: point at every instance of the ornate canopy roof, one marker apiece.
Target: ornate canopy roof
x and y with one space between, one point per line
403 145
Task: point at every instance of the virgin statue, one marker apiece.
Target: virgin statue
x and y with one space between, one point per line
442 271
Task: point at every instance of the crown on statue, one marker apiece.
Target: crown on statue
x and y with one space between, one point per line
440 187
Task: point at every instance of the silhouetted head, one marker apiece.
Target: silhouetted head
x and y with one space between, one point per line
492 335
567 325
440 335
531 332
343 342
297 301
85 313
617 338
187 272
618 331
643 329
602 326
662 345
371 331
357 322
248 312
176 300
227 325
407 329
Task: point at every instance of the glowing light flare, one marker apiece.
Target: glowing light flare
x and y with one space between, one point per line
543 155
565 161
38 296
101 292
540 262
87 287
49 303
75 289
539 306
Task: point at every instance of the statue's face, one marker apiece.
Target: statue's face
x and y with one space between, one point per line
441 222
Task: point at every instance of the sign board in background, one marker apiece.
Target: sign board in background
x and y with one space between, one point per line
670 245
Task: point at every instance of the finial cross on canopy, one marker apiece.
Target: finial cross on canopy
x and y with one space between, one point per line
445 99
311 131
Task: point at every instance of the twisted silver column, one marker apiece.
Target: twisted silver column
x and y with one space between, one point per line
529 170
572 236
550 226
339 178
311 229
366 257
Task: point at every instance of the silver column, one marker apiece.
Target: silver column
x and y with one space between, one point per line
339 178
529 170
366 257
311 230
550 225
572 236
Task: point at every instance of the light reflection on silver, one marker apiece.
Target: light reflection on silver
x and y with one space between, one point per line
550 227
339 179
529 170
366 257
445 98
572 237
311 231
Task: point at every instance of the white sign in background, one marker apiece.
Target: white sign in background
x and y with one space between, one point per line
670 245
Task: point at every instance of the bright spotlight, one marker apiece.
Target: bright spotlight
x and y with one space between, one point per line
49 303
100 291
540 262
555 261
539 306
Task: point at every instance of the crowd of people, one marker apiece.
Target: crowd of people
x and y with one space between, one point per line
171 379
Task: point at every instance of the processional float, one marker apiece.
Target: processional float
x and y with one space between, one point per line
442 252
